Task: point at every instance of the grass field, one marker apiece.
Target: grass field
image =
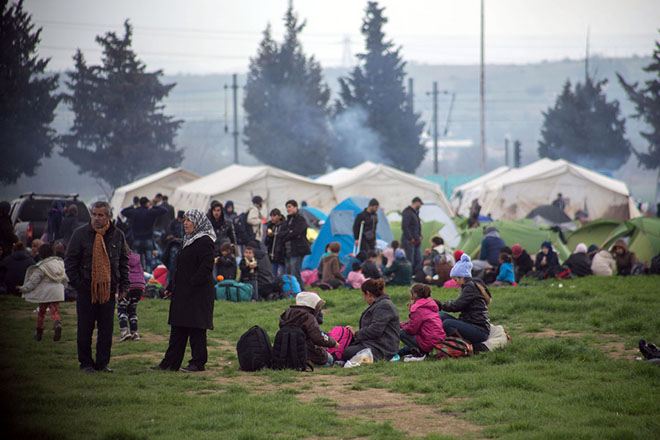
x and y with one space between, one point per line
570 372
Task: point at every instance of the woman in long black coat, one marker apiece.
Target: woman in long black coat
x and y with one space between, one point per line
192 293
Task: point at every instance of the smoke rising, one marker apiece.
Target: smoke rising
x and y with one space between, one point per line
355 141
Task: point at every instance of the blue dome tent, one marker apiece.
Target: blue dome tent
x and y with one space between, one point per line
339 227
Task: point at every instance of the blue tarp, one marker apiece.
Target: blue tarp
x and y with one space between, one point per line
339 227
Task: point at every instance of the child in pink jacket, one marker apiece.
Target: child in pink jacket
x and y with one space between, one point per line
424 329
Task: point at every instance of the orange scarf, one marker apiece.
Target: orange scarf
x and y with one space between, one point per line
100 268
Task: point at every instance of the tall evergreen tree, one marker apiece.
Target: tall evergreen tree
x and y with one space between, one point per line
27 98
286 103
647 104
376 86
584 128
120 132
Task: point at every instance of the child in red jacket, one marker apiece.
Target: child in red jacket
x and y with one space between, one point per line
424 329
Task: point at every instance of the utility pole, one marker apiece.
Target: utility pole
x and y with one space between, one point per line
482 92
506 151
410 95
235 132
435 127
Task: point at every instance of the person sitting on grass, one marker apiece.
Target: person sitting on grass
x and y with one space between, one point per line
355 277
401 270
522 262
389 252
602 262
225 263
625 259
579 262
546 260
424 327
505 277
332 268
303 314
473 323
370 266
250 272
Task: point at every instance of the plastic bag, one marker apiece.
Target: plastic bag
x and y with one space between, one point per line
364 356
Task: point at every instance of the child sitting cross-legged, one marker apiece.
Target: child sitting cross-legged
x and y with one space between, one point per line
506 276
424 328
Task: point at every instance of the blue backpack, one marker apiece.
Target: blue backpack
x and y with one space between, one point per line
290 285
230 290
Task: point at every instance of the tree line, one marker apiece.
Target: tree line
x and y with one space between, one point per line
120 131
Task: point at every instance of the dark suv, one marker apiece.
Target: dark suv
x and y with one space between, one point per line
29 213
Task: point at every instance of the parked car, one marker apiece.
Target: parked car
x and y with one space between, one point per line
29 213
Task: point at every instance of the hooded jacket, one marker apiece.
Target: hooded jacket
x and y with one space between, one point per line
579 264
135 272
425 324
625 262
551 259
603 263
472 303
13 268
522 264
45 281
491 246
331 269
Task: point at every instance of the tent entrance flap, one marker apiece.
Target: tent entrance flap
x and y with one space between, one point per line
341 222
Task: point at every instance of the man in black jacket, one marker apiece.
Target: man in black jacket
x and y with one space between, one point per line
294 236
411 234
97 266
368 221
143 218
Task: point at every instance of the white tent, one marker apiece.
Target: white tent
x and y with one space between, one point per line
240 183
462 196
514 193
394 189
164 182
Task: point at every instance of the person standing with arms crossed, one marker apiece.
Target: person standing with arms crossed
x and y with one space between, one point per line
411 234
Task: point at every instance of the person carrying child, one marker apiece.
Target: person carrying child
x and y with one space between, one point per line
303 314
128 301
506 275
250 271
355 277
44 284
424 328
225 263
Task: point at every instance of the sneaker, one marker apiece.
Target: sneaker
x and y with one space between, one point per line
395 358
339 364
39 334
58 331
136 336
414 358
124 335
192 369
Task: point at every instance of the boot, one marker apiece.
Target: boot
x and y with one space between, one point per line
124 335
136 336
39 334
57 327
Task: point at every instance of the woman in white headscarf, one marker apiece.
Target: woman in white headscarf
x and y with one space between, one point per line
192 292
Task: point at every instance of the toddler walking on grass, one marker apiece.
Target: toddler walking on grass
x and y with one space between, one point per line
44 284
127 305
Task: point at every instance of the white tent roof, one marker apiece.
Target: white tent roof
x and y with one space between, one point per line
514 193
394 189
164 182
240 183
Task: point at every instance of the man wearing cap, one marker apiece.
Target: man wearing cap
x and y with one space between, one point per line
255 217
367 220
411 234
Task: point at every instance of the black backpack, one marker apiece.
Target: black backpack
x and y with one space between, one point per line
655 265
242 229
254 350
290 349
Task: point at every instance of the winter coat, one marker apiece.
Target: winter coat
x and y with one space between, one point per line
402 271
223 231
163 220
355 279
265 277
369 232
332 269
425 324
506 273
370 270
551 261
175 229
379 328
67 227
192 286
491 246
523 265
226 266
143 220
317 342
625 262
442 270
472 304
274 243
13 268
78 261
411 228
135 272
579 264
295 236
45 282
603 263
248 273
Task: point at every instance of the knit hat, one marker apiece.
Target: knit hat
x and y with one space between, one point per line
399 254
462 268
516 250
581 248
310 299
457 254
592 249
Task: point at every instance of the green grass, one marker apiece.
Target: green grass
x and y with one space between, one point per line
536 387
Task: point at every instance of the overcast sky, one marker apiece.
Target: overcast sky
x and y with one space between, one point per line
207 36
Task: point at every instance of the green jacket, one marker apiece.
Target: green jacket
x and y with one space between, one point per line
402 271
